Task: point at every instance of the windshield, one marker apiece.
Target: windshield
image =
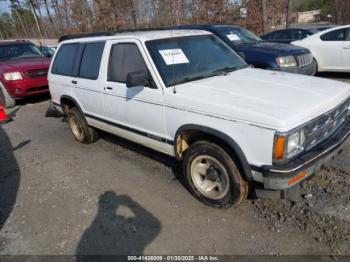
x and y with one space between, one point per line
17 51
190 58
239 35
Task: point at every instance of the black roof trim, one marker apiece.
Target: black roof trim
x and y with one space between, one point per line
82 35
69 37
75 36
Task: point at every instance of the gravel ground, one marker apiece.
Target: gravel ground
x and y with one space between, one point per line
115 197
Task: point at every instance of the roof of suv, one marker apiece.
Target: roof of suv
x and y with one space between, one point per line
142 35
14 42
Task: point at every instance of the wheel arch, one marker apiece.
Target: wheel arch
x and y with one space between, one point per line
190 133
70 102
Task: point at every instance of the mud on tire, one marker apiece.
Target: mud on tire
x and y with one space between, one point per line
80 128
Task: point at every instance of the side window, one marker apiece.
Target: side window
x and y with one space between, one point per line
336 35
285 34
124 58
270 36
91 60
298 34
65 60
348 33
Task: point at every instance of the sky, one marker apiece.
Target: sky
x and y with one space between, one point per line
4 6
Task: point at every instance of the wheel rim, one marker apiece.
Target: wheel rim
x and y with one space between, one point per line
210 177
76 128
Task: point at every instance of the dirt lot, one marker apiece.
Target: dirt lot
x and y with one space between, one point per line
114 197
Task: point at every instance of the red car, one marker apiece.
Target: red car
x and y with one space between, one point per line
23 69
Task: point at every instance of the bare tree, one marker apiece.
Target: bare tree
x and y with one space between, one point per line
14 5
49 16
264 15
288 11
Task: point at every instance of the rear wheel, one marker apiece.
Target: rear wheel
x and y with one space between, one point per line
212 176
79 127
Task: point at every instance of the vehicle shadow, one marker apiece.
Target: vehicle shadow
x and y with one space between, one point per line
9 176
336 75
121 227
166 160
33 99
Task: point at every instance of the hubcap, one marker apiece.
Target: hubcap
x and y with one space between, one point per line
76 128
210 177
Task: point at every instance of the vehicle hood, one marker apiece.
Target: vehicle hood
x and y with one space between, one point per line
270 99
24 64
272 48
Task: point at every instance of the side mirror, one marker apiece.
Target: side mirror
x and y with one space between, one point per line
137 78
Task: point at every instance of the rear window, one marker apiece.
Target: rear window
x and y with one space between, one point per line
91 60
65 60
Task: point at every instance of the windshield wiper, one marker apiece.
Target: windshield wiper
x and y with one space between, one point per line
229 69
189 79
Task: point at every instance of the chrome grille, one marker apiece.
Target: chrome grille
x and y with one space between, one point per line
37 73
304 60
326 125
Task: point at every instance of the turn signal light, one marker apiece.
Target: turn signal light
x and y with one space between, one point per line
297 178
280 143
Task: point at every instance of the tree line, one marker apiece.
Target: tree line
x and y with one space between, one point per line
53 18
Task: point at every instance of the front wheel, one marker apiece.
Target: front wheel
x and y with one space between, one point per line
212 176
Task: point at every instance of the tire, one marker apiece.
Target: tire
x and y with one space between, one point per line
212 176
80 128
316 67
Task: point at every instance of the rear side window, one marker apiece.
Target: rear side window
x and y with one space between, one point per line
91 60
124 59
268 36
336 35
298 34
64 63
285 34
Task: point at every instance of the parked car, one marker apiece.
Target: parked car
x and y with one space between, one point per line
23 69
292 34
330 48
260 54
233 127
47 50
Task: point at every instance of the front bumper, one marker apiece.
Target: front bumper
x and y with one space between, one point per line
305 70
280 177
27 87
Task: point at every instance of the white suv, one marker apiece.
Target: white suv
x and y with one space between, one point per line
187 94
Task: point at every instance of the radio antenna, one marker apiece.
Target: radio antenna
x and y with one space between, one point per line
172 51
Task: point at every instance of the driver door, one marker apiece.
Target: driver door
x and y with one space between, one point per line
137 111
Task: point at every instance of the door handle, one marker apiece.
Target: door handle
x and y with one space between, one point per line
347 47
74 82
109 88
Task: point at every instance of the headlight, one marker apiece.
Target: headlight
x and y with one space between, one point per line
295 143
288 145
286 61
13 76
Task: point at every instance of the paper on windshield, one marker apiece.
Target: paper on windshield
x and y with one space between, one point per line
233 37
174 56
